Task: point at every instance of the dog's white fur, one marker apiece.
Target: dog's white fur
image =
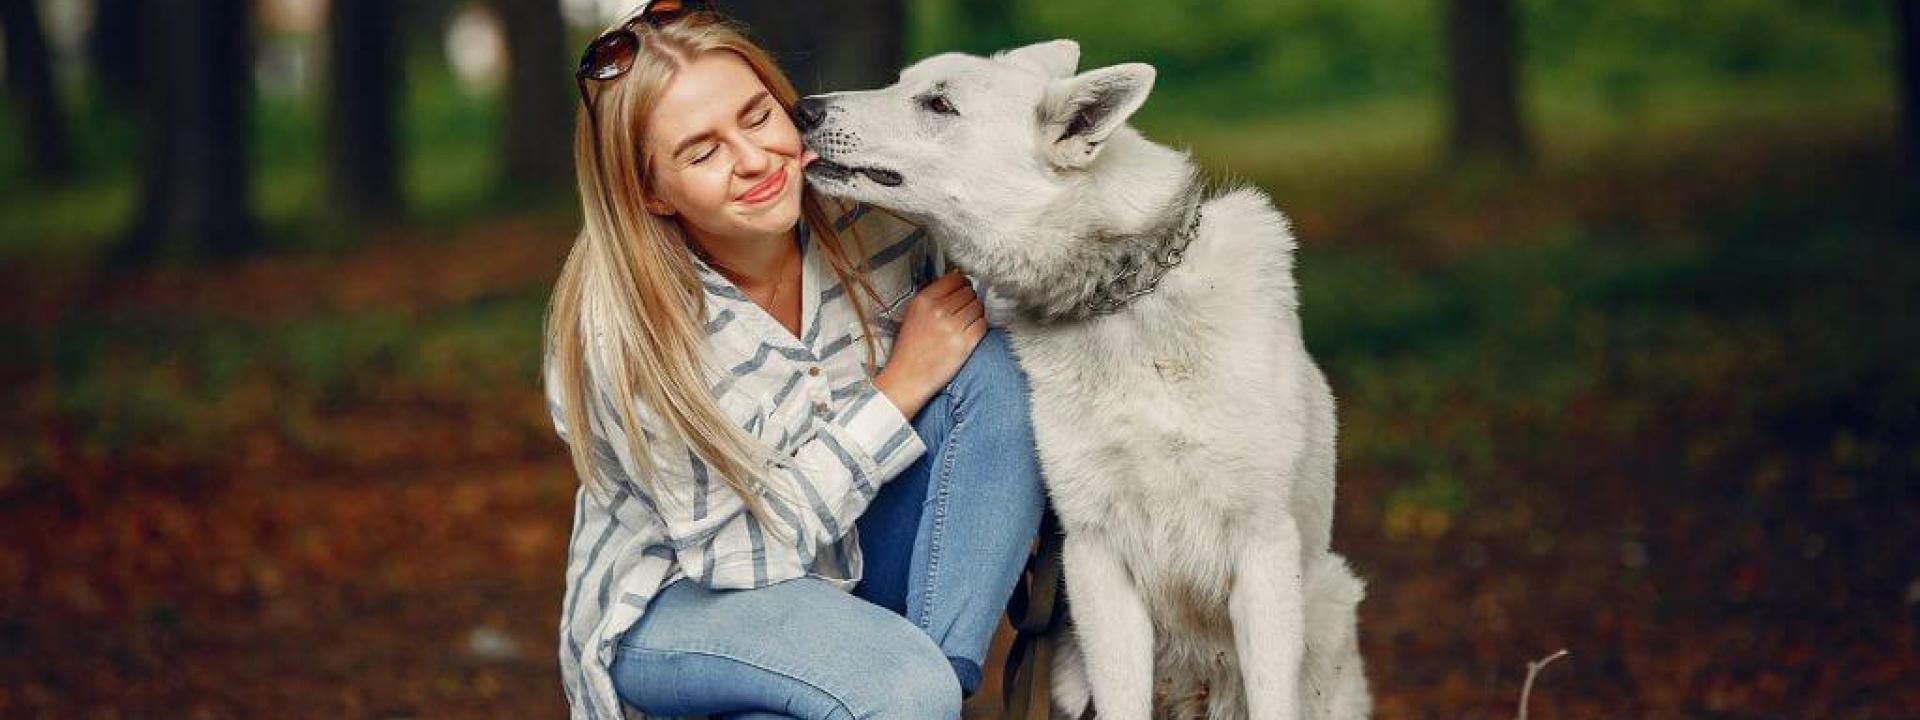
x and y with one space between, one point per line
1187 440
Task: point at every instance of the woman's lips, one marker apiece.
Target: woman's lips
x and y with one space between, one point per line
768 189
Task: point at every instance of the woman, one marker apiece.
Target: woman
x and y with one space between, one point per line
832 486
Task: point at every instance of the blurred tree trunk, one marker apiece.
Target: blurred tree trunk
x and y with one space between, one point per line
540 95
30 81
1907 14
848 45
197 80
362 125
113 48
425 20
1485 82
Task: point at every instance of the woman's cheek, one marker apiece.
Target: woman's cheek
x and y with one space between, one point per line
708 189
785 138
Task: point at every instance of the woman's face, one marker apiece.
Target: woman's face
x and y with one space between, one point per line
722 153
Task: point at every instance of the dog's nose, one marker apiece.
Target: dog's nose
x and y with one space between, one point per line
808 113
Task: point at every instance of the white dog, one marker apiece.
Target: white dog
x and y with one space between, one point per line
1186 436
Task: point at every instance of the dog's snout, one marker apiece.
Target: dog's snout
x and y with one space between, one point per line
808 113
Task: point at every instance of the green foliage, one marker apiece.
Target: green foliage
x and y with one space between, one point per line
194 382
450 166
1234 59
1363 70
1747 331
1456 360
449 157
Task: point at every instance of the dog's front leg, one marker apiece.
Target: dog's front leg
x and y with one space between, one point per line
1268 607
1111 623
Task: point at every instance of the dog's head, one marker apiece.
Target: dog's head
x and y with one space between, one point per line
962 141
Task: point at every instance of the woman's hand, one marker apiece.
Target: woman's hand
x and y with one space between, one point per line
944 320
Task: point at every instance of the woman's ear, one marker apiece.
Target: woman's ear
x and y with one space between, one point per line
649 196
656 205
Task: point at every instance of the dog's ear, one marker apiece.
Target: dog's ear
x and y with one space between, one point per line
1080 112
1053 58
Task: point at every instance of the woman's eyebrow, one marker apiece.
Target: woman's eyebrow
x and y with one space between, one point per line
751 103
702 137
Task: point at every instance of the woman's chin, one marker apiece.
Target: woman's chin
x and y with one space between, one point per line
773 217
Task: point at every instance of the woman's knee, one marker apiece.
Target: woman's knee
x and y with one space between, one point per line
841 658
900 673
922 687
907 679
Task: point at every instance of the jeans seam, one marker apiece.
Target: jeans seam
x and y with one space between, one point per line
844 707
939 523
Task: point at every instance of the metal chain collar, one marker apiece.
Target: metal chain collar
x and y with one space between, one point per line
1112 295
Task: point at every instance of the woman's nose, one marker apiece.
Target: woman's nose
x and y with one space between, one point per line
753 159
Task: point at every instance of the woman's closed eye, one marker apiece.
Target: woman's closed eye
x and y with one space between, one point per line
702 153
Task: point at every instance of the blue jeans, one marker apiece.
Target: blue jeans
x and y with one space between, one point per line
944 543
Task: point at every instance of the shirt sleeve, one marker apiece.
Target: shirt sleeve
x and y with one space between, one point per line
824 486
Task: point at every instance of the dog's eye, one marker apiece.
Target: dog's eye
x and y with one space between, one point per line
939 104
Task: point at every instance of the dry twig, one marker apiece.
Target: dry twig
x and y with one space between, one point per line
1533 668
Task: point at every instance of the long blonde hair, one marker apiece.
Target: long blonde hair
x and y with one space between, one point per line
630 284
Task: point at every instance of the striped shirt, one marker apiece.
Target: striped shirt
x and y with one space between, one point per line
839 439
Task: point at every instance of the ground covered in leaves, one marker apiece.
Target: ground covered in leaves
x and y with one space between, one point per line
1657 410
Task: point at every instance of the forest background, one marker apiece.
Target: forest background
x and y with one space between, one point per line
1613 296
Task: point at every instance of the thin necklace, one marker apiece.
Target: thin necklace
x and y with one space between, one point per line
785 273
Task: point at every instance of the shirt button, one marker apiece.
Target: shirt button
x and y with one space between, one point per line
815 370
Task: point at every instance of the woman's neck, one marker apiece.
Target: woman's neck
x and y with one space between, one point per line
751 262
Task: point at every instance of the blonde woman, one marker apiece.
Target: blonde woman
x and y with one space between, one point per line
808 481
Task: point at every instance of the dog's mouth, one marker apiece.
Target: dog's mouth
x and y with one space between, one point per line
829 170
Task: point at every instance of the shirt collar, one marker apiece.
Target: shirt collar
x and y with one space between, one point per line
803 236
723 297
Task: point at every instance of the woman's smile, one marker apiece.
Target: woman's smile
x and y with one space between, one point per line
768 189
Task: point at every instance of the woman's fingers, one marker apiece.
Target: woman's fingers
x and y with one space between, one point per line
973 313
954 306
944 284
931 297
952 303
970 309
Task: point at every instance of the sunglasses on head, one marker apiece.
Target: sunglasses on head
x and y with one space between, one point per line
611 55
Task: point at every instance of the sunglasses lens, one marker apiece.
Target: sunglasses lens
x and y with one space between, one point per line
611 55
